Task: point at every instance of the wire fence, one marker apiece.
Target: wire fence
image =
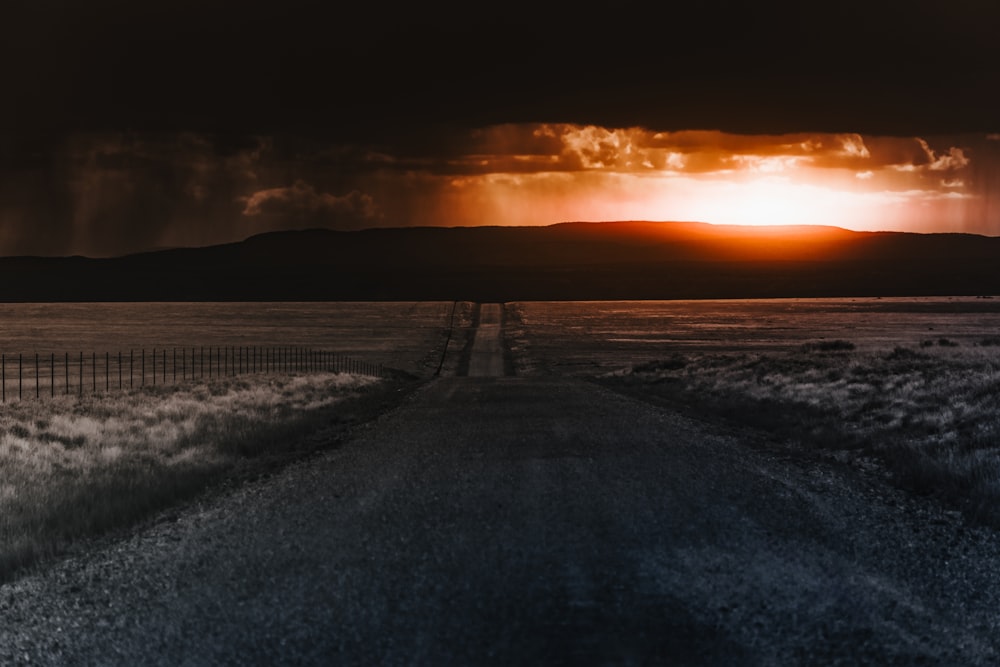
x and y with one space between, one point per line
40 375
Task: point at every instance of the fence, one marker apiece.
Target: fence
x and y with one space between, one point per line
48 375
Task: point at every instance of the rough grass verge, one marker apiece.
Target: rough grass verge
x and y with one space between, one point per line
75 469
930 419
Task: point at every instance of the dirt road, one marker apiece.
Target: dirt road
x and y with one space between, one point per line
486 357
513 520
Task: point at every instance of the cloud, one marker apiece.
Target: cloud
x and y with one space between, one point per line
853 145
301 201
953 159
552 147
111 193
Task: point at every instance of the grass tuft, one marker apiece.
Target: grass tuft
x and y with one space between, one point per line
932 418
78 467
829 346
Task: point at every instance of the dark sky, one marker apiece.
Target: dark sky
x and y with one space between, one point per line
404 80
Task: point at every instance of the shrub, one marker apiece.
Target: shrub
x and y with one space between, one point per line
673 363
904 354
829 346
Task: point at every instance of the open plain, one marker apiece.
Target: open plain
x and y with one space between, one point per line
513 510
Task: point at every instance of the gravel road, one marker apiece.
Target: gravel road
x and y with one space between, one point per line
528 520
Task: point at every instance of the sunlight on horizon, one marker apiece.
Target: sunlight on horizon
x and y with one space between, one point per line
539 199
599 174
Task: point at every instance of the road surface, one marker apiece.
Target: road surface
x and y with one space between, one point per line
527 521
486 357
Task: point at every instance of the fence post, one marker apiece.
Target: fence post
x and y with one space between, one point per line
36 376
93 370
119 370
163 371
20 375
66 368
131 369
52 374
81 373
107 372
3 375
142 382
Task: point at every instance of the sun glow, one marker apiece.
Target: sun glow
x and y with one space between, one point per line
769 201
553 173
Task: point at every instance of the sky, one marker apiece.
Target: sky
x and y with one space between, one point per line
134 126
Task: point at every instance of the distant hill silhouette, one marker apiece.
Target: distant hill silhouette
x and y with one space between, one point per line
567 261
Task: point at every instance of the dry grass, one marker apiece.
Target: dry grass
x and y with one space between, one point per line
77 467
930 416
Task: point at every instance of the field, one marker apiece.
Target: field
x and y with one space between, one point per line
77 466
406 336
908 387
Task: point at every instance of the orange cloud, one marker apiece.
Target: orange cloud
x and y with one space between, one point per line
111 193
303 200
538 174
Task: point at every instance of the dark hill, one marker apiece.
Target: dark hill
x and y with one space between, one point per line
577 261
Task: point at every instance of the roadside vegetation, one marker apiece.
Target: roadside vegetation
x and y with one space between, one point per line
74 468
927 414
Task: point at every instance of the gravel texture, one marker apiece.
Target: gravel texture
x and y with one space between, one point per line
527 521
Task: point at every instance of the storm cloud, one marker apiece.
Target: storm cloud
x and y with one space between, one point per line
302 203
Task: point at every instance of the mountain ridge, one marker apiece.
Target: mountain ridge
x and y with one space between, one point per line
564 261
